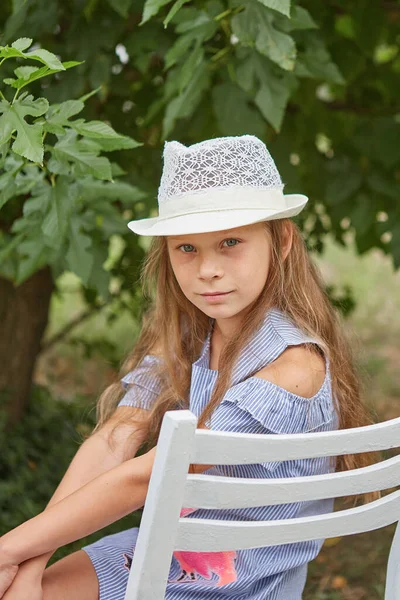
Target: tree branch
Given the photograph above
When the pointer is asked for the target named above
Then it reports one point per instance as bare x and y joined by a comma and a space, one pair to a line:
64, 331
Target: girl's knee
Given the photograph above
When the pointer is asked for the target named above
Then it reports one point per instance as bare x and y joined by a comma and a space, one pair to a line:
71, 578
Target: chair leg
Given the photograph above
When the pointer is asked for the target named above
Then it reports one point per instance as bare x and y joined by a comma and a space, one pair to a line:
392, 589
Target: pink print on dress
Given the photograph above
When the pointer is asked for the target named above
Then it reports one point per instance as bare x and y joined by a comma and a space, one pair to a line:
205, 564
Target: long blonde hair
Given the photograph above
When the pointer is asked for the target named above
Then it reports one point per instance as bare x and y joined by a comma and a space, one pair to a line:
178, 329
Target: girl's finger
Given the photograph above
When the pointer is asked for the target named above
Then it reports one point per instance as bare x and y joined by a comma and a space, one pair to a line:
7, 576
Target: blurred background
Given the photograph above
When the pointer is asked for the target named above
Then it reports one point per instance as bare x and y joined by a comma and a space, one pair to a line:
92, 89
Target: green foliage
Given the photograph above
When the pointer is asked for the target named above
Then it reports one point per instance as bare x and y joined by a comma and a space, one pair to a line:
291, 74
318, 82
204, 68
50, 161
35, 454
34, 457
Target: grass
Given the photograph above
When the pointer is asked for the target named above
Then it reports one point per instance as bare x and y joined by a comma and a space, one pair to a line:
351, 568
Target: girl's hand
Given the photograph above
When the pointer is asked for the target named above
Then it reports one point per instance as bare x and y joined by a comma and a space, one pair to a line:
8, 568
25, 587
8, 572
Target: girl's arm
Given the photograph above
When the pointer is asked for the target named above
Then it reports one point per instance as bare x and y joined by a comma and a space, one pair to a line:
93, 458
106, 499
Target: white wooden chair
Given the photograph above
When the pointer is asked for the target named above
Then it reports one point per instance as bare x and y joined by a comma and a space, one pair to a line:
162, 531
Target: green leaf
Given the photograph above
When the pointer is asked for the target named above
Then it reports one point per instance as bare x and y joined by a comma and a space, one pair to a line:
274, 87
176, 7
245, 25
58, 167
106, 137
197, 30
61, 199
123, 142
7, 248
47, 58
99, 276
273, 96
28, 142
234, 114
25, 72
36, 73
151, 8
28, 179
34, 256
79, 256
8, 179
179, 48
90, 94
282, 6
300, 19
39, 202
121, 7
22, 44
316, 62
82, 156
185, 104
277, 46
117, 170
7, 187
44, 56
254, 26
95, 190
98, 129
60, 113
195, 58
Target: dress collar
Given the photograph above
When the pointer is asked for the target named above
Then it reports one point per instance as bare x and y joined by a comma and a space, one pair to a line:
263, 348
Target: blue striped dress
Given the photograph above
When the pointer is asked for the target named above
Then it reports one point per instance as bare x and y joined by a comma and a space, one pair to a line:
251, 405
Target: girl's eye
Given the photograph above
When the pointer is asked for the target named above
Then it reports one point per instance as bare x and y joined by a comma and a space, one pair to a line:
232, 240
185, 246
228, 240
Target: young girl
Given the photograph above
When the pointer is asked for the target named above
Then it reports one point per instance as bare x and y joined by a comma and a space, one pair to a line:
241, 332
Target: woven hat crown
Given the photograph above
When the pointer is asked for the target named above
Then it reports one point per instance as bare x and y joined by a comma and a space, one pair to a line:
219, 163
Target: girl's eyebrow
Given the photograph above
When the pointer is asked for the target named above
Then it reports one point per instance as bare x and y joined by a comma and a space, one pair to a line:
228, 233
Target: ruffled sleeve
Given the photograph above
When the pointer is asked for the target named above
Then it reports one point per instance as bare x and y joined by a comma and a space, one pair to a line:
142, 385
259, 406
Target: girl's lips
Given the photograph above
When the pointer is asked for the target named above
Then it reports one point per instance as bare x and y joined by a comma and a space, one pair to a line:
215, 294
212, 297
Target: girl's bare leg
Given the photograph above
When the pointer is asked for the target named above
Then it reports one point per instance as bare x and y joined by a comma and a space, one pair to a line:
71, 578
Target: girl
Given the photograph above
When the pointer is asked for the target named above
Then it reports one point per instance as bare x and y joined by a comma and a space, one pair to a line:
240, 331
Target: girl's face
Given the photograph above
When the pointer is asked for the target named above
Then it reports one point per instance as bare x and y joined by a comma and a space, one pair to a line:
234, 261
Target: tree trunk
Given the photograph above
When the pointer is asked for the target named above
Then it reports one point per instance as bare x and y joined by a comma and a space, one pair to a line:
24, 312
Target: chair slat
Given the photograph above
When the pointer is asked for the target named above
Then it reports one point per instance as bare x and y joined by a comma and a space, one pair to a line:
227, 448
200, 535
208, 491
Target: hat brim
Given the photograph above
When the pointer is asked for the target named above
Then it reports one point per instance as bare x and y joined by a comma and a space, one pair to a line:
216, 220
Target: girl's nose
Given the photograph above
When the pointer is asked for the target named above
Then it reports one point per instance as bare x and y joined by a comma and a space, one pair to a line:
209, 268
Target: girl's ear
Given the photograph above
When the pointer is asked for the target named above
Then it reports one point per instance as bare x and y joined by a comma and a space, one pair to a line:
287, 238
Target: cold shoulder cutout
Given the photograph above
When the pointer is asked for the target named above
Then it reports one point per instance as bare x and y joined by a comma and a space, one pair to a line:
296, 375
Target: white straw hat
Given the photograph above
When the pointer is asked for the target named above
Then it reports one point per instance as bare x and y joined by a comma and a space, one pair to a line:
218, 184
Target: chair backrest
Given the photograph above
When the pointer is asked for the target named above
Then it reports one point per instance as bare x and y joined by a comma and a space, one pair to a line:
171, 487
